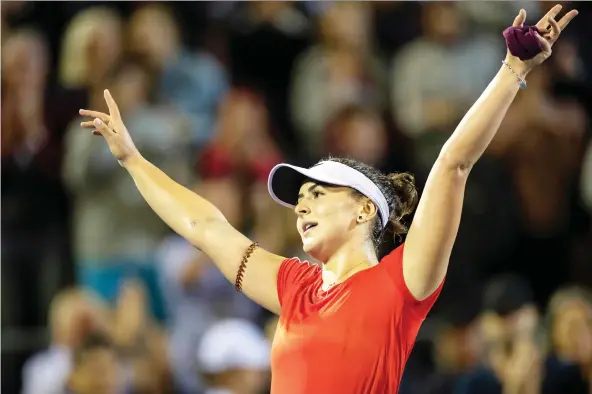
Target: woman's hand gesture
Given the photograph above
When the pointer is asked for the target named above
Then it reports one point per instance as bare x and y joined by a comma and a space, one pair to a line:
111, 127
550, 31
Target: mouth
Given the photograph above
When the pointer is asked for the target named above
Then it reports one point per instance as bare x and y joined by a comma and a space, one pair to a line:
307, 226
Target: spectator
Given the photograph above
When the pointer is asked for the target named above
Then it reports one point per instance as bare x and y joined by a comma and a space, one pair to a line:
435, 77
116, 236
445, 350
514, 359
191, 83
25, 66
539, 126
570, 326
256, 30
73, 315
358, 133
31, 191
95, 368
141, 345
91, 48
242, 138
233, 356
342, 69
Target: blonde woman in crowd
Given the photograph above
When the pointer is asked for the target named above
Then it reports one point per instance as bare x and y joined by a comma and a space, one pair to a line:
90, 48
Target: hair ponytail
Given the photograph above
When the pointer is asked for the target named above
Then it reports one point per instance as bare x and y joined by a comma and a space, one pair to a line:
406, 198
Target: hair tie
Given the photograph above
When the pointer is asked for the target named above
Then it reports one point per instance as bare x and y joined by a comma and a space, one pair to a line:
523, 42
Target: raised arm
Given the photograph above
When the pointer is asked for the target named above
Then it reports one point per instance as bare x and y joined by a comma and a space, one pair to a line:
190, 215
435, 225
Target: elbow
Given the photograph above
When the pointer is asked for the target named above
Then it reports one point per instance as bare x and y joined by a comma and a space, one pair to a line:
456, 157
455, 164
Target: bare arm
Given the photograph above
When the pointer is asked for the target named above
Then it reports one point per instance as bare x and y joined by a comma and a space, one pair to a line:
435, 226
190, 215
202, 224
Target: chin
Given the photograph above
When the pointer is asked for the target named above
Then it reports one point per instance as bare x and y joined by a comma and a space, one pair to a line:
313, 249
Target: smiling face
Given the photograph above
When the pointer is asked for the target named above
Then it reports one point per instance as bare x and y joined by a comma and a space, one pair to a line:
327, 218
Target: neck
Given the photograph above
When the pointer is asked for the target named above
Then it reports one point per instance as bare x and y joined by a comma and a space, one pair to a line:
347, 261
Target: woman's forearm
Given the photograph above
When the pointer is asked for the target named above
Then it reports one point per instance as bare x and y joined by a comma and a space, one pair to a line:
176, 205
478, 127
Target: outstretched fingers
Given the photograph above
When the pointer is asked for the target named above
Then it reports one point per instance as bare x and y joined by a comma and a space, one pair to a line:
102, 128
95, 114
89, 124
544, 22
519, 20
555, 30
563, 22
113, 109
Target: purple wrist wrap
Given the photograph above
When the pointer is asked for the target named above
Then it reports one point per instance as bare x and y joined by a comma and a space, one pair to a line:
522, 41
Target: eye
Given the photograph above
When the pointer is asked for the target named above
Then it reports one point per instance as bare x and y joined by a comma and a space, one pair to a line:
316, 193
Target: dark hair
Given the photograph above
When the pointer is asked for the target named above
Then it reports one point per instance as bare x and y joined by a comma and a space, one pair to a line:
398, 189
94, 341
506, 294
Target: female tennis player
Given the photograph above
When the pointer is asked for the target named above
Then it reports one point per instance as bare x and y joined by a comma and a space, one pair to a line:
349, 326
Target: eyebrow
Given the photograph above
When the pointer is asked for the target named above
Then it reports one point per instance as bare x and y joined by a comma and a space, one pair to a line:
310, 189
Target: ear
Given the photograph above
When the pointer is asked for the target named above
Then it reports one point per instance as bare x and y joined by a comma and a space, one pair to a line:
366, 211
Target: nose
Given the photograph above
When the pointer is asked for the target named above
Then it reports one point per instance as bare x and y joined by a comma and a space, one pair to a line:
301, 209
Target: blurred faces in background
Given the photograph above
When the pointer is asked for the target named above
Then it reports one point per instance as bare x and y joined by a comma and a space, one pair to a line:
359, 133
154, 34
191, 82
540, 125
570, 327
509, 329
73, 316
436, 76
342, 69
96, 368
346, 26
91, 48
242, 139
132, 86
442, 22
24, 73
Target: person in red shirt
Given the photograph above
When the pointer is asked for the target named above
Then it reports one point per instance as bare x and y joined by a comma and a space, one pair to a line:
349, 325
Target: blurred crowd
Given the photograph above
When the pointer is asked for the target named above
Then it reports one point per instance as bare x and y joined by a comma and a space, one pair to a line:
216, 94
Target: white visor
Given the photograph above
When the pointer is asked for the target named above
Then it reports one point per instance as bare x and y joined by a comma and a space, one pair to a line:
285, 180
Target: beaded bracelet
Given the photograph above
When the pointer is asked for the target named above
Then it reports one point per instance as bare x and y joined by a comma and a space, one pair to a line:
238, 283
521, 80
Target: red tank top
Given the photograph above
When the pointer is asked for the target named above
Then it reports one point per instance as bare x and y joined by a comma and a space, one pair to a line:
353, 339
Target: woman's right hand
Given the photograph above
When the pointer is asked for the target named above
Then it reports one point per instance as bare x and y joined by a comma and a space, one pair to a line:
111, 127
549, 33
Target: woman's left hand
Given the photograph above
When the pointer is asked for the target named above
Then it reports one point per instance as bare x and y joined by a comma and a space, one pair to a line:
550, 31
